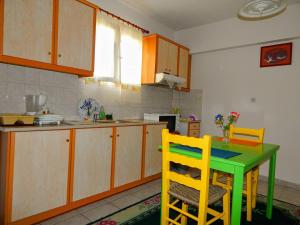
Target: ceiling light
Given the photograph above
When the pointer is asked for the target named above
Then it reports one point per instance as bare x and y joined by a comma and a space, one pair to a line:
261, 9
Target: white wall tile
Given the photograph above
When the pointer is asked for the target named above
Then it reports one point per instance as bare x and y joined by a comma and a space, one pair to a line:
65, 90
15, 74
3, 72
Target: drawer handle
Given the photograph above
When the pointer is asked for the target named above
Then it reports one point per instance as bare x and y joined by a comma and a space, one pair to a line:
68, 140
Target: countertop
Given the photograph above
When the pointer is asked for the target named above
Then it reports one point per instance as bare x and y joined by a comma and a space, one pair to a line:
79, 126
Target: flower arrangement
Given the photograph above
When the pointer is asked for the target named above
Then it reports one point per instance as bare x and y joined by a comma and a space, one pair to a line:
225, 122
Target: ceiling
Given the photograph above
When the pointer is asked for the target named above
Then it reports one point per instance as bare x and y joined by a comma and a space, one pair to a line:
181, 14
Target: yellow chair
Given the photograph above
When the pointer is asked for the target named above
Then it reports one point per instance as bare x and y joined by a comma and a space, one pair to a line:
225, 180
181, 190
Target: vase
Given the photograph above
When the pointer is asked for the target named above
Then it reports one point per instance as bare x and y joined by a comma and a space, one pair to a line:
226, 135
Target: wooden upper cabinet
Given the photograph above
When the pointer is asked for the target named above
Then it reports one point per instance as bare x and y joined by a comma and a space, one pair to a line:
166, 57
163, 55
183, 67
56, 35
75, 35
27, 29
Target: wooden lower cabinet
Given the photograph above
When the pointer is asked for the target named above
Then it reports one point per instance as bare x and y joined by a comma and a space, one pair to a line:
46, 173
92, 162
152, 154
128, 155
40, 172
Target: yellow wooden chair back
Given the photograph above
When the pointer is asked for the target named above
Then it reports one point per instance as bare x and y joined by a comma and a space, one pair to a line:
202, 165
244, 134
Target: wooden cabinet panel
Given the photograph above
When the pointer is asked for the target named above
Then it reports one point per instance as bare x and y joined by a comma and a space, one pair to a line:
173, 58
162, 56
183, 68
152, 155
194, 133
128, 155
75, 34
92, 162
40, 172
167, 57
27, 31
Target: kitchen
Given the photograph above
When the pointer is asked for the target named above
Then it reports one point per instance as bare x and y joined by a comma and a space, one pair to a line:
65, 90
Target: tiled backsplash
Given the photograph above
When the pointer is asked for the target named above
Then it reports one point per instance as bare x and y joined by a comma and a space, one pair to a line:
65, 90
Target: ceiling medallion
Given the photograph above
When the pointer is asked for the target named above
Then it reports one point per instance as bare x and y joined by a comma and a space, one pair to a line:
262, 9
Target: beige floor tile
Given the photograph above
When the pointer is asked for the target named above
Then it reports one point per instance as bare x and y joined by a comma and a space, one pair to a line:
76, 220
125, 201
99, 212
60, 218
147, 192
91, 206
288, 194
281, 192
122, 194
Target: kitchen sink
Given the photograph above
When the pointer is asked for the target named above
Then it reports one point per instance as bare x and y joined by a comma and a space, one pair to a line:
89, 122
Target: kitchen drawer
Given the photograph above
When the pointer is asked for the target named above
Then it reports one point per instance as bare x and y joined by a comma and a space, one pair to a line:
194, 126
194, 133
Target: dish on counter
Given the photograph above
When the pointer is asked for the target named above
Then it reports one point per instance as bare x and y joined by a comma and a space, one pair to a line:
88, 107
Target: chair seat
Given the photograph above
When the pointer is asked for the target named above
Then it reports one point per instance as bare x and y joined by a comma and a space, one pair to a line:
191, 195
224, 177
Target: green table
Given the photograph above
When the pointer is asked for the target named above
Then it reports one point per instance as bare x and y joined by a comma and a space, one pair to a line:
251, 156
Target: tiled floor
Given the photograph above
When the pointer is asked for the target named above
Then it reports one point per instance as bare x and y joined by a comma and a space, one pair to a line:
94, 211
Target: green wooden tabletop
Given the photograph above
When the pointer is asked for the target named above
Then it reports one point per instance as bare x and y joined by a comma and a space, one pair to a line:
250, 157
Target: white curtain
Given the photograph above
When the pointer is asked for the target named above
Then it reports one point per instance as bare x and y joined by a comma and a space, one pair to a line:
131, 55
118, 51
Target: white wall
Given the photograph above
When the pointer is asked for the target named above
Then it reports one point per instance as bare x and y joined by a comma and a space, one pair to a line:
227, 70
235, 32
134, 16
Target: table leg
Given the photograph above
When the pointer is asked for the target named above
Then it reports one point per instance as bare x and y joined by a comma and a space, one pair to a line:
238, 180
271, 184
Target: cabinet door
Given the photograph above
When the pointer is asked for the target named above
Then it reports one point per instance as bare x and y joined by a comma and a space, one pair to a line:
152, 155
40, 175
162, 56
128, 161
184, 65
27, 31
173, 58
75, 34
167, 56
92, 162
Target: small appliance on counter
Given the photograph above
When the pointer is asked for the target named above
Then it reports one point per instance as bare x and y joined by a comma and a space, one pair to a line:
35, 103
172, 119
10, 119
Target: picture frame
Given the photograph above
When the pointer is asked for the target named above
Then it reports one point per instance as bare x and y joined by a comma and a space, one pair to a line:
276, 55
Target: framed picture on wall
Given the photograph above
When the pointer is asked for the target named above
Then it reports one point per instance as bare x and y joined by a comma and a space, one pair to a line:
276, 55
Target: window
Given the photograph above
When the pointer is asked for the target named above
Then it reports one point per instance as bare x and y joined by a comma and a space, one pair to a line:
118, 52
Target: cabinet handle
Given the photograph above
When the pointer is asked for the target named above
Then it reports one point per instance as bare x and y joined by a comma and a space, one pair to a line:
118, 135
49, 53
110, 136
147, 132
68, 140
59, 55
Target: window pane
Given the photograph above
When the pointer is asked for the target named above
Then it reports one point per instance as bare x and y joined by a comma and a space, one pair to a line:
131, 60
105, 52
